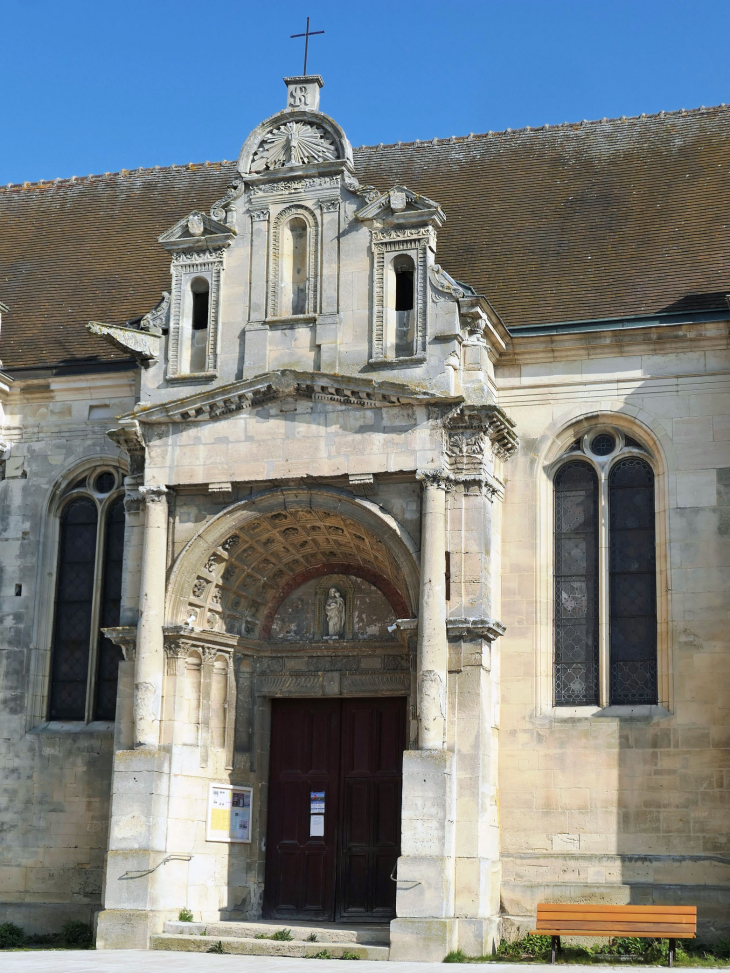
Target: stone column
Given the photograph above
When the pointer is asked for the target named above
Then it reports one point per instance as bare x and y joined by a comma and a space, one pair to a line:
432, 643
149, 664
426, 928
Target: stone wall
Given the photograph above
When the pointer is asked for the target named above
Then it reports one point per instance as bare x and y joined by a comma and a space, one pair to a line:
619, 805
54, 778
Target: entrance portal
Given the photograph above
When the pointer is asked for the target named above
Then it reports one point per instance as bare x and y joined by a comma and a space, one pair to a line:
333, 837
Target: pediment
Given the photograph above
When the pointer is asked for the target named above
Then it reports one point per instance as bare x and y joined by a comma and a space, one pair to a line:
196, 231
401, 206
248, 394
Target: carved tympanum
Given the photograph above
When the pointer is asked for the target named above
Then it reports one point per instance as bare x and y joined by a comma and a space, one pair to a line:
293, 144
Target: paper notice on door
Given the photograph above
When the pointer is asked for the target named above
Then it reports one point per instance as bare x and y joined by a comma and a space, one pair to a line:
316, 825
316, 802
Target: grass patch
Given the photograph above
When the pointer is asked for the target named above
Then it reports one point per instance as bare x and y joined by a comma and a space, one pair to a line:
280, 936
184, 915
621, 949
216, 948
322, 954
348, 954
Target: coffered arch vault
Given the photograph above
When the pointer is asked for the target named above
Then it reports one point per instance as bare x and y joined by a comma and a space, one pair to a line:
232, 576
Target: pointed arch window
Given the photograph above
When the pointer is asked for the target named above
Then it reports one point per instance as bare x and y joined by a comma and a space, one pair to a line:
84, 662
605, 604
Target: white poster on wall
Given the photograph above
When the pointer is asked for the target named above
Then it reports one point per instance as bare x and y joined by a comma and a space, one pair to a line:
229, 813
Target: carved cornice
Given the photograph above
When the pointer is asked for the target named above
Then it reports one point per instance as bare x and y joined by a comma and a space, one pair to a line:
196, 232
252, 393
402, 208
488, 419
125, 636
469, 629
144, 345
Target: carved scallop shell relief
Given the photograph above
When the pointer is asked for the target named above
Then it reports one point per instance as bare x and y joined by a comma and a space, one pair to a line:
293, 144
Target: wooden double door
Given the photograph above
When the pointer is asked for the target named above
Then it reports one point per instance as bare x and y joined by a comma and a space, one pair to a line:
333, 836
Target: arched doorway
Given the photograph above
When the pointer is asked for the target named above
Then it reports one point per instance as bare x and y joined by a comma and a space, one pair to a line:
303, 590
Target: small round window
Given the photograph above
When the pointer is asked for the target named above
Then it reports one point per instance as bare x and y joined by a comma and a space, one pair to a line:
603, 444
104, 483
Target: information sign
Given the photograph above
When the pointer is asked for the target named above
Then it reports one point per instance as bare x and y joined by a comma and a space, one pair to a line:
229, 813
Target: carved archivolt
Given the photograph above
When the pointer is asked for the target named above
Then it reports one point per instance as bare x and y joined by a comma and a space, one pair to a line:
240, 583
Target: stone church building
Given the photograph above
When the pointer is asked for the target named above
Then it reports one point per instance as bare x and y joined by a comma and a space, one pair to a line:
365, 521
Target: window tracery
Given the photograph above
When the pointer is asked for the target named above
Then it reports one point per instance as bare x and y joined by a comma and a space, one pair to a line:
84, 662
605, 605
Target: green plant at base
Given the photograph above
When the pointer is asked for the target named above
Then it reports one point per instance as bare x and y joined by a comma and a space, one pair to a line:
184, 915
216, 948
311, 938
348, 954
456, 956
529, 946
322, 954
75, 933
11, 936
282, 936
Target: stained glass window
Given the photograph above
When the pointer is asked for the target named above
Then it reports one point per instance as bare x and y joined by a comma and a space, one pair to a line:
633, 644
87, 600
109, 655
74, 603
576, 585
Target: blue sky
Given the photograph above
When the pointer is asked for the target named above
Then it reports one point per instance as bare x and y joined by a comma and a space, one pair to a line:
89, 87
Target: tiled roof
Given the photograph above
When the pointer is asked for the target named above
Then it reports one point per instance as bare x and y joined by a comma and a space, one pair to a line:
73, 251
602, 219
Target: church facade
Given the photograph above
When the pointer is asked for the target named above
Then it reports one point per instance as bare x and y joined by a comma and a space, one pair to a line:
377, 571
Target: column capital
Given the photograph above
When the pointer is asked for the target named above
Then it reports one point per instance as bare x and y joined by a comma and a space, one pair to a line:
156, 493
438, 478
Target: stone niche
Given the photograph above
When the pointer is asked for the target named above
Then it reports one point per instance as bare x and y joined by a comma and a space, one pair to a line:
334, 608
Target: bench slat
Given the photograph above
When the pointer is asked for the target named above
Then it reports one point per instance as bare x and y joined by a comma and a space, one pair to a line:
645, 921
690, 910
562, 931
616, 917
601, 928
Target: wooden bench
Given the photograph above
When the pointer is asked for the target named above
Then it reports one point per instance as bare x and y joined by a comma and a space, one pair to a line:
670, 922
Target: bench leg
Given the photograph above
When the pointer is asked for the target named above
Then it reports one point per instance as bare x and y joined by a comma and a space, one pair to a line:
554, 948
672, 951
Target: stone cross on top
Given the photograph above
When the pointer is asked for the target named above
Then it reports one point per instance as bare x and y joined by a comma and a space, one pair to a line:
303, 91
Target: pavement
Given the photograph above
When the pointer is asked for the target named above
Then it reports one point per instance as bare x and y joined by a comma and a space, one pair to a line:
159, 961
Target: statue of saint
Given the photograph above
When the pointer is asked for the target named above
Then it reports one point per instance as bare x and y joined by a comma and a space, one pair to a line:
334, 609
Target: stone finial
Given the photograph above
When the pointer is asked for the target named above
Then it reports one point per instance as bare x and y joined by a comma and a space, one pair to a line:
302, 93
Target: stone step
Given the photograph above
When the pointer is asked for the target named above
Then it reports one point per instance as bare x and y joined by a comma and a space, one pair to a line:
325, 932
266, 947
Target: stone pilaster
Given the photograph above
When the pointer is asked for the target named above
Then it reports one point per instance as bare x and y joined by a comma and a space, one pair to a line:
149, 668
432, 644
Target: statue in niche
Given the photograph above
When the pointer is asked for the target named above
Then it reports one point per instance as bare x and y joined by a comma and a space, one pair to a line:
334, 609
